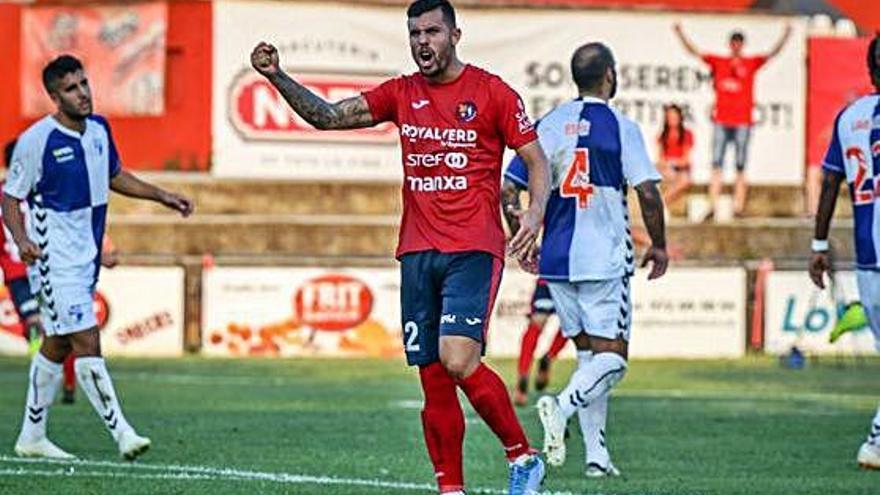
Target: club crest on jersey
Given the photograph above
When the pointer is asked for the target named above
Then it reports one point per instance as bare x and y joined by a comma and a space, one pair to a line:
99, 146
467, 111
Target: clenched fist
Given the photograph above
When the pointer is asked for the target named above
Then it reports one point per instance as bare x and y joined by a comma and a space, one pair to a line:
265, 60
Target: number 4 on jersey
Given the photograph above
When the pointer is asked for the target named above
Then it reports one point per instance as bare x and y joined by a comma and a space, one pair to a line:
577, 180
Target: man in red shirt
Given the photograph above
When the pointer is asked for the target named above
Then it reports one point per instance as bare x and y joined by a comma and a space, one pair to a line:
734, 80
455, 121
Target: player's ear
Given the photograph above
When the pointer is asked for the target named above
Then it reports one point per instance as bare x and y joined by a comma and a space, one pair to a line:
455, 34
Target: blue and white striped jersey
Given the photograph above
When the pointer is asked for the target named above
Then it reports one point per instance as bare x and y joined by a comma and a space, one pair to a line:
855, 153
65, 178
595, 153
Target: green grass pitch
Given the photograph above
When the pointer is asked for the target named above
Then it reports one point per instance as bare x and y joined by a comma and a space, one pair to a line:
352, 427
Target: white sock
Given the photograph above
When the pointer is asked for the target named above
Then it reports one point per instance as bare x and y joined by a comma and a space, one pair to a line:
592, 421
874, 434
43, 383
591, 381
91, 372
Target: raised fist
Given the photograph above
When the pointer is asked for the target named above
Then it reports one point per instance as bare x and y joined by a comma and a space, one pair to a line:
264, 59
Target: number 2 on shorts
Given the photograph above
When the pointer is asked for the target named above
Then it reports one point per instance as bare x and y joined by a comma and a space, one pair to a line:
577, 179
411, 337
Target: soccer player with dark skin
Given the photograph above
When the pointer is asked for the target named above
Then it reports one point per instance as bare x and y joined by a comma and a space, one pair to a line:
459, 118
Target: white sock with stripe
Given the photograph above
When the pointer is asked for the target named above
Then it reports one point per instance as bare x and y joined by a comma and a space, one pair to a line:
874, 434
43, 383
91, 372
591, 380
592, 421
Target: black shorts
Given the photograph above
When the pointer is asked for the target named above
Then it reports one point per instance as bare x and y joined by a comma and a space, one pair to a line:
445, 294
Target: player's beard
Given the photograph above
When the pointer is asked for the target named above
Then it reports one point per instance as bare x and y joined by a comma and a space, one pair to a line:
439, 62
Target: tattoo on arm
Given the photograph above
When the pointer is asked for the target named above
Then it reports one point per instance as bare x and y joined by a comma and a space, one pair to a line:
510, 200
827, 203
351, 113
651, 204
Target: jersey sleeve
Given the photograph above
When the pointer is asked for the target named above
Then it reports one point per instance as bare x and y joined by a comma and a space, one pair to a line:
710, 60
24, 169
834, 156
637, 165
513, 122
759, 61
382, 101
688, 138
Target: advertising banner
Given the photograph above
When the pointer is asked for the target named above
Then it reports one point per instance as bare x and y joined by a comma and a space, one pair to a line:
673, 317
122, 47
256, 134
799, 314
139, 309
285, 312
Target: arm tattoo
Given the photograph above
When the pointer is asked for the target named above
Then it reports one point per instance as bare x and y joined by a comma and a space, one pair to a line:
651, 204
510, 198
827, 202
351, 113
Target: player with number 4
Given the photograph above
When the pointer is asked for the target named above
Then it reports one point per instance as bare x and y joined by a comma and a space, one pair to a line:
587, 255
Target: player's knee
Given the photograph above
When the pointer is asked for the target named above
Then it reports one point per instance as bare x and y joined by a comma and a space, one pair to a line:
459, 367
87, 343
539, 319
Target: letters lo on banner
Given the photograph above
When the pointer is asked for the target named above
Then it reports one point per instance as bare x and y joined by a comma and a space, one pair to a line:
122, 48
139, 310
365, 45
799, 314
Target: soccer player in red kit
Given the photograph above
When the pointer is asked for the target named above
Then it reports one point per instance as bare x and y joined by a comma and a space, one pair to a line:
455, 121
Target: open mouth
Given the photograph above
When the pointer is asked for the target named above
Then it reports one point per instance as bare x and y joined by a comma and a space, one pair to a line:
426, 57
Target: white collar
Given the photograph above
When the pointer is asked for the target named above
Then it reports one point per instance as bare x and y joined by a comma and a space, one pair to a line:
592, 99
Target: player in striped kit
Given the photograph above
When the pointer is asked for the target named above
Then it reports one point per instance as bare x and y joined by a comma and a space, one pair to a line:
854, 156
587, 253
64, 167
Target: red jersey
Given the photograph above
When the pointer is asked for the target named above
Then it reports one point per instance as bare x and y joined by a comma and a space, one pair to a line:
452, 138
673, 149
10, 261
734, 80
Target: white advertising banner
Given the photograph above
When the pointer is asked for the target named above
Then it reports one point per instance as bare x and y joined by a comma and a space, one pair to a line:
140, 313
255, 134
673, 317
284, 312
799, 314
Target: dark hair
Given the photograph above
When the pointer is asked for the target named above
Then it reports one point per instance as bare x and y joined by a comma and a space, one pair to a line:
737, 36
7, 152
874, 59
58, 68
419, 7
589, 64
666, 129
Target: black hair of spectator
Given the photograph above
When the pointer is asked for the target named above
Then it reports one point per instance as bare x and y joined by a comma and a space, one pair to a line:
419, 7
874, 60
7, 153
589, 64
58, 68
738, 36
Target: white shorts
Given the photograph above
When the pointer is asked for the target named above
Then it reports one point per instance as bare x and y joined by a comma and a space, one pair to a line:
600, 308
869, 294
66, 303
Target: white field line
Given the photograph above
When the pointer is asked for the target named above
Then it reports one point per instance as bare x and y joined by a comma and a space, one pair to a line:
127, 470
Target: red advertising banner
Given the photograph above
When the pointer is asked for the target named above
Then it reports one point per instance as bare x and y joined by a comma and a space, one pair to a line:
122, 48
838, 74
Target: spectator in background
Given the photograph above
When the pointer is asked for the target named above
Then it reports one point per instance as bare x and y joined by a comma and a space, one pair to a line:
674, 145
734, 78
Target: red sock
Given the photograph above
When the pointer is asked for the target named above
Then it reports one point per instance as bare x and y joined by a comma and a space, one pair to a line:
558, 344
69, 373
527, 349
488, 395
443, 426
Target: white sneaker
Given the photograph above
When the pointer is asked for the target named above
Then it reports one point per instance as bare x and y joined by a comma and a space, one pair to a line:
554, 430
596, 471
41, 448
869, 456
131, 446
